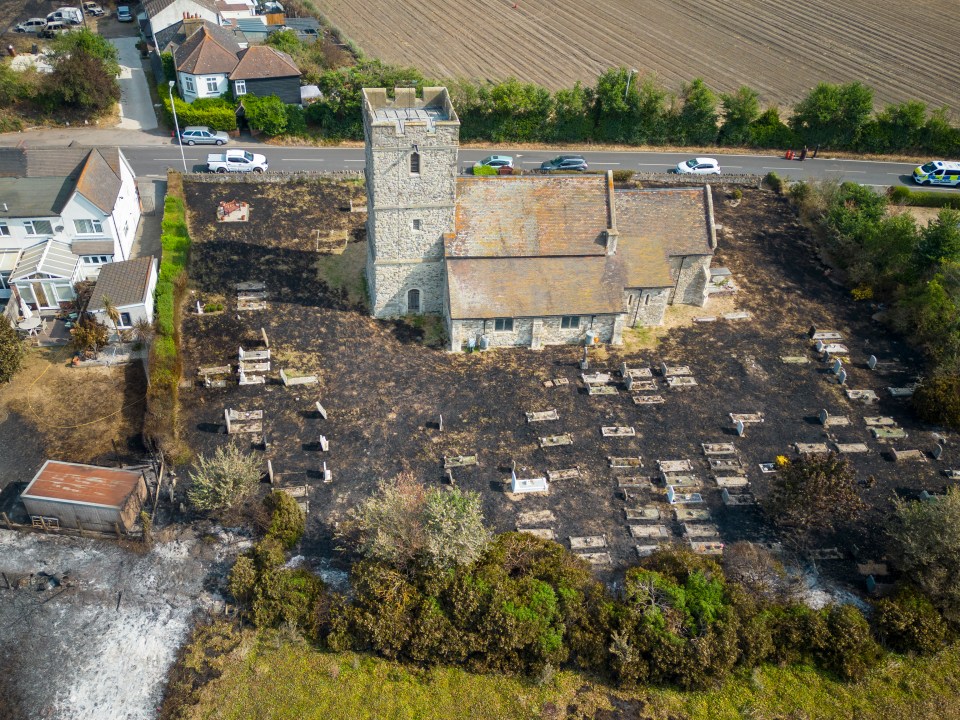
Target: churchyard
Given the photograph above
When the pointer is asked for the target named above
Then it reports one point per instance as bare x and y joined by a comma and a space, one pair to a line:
667, 442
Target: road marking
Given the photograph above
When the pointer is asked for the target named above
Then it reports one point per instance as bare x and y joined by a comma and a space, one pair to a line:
530, 162
302, 160
779, 168
650, 164
596, 163
849, 172
359, 161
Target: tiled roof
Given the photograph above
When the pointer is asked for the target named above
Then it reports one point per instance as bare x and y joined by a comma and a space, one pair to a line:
124, 283
34, 197
98, 183
644, 263
678, 217
262, 61
203, 54
533, 287
51, 162
87, 484
530, 216
171, 38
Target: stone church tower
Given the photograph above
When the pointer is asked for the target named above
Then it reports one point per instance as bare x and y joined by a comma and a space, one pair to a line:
411, 175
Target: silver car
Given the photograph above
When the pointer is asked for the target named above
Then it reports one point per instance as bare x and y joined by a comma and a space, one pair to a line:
202, 135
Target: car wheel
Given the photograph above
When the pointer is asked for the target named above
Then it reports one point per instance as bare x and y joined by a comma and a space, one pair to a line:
219, 142
191, 143
221, 170
258, 170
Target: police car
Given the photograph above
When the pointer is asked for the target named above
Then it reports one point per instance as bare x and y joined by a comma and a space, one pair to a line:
938, 172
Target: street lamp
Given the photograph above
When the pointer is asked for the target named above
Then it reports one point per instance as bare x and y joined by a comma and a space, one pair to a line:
629, 78
176, 125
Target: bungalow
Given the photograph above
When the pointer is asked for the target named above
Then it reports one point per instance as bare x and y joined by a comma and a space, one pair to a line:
64, 213
161, 14
171, 38
128, 287
263, 71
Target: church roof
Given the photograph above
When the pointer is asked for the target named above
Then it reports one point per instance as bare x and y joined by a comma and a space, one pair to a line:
679, 217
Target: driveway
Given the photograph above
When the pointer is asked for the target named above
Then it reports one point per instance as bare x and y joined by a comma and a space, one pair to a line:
136, 108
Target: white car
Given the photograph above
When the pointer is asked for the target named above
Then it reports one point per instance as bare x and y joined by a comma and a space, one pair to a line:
495, 161
33, 25
698, 166
236, 161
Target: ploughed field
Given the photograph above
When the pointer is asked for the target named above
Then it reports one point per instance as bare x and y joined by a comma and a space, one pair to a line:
781, 49
384, 392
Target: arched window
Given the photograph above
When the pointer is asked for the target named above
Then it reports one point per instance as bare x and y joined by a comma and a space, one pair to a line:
413, 301
414, 163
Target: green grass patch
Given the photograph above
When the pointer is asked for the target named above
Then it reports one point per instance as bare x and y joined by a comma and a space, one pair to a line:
346, 271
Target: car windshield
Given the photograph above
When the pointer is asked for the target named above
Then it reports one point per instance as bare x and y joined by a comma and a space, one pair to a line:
248, 156
487, 160
929, 167
691, 163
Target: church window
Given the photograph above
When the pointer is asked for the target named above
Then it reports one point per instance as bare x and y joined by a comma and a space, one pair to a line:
413, 301
569, 322
503, 325
414, 163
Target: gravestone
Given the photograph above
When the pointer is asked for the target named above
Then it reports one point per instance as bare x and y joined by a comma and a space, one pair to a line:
718, 449
768, 468
322, 411
848, 448
587, 542
700, 530
682, 514
837, 367
567, 474
327, 474
739, 427
556, 440
867, 397
649, 531
812, 448
601, 390
648, 400
842, 377
794, 359
872, 362
324, 443
617, 431
542, 416
680, 382
937, 451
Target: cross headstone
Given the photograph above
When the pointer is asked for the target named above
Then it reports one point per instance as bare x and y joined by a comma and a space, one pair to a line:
872, 362
842, 377
327, 474
824, 416
740, 428
585, 363
837, 367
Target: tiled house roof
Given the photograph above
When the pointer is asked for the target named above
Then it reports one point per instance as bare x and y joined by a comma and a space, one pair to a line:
125, 283
171, 38
203, 54
262, 61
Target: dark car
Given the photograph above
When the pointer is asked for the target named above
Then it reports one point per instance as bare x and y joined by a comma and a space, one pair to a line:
565, 162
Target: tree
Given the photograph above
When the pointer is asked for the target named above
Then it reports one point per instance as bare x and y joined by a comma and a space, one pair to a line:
11, 351
224, 480
755, 569
697, 121
90, 43
833, 115
908, 622
849, 649
937, 398
572, 119
740, 110
769, 131
810, 496
268, 114
111, 311
454, 529
84, 82
284, 41
287, 521
925, 545
88, 335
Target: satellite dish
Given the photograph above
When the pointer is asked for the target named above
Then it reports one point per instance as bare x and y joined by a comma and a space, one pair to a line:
59, 228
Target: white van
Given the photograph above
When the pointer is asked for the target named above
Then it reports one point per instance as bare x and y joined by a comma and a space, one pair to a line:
70, 15
938, 172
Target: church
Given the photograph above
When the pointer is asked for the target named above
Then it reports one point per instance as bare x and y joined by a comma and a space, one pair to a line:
523, 260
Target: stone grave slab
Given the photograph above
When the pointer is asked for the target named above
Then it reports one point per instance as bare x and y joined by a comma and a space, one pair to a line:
867, 397
601, 390
556, 382
295, 491
210, 381
718, 449
731, 481
648, 512
683, 482
635, 373
700, 530
888, 433
645, 550
675, 466
535, 517
828, 420
768, 468
826, 554
636, 483
826, 335
850, 448
304, 506
740, 315
597, 378
291, 380
251, 379
741, 499
556, 440
456, 461
542, 533
952, 474
794, 359
706, 547
901, 392
565, 474
244, 303
683, 514
253, 355
618, 431
250, 285
879, 421
811, 448
705, 319
681, 382
746, 418
542, 416
529, 485
600, 559
218, 370
587, 542
899, 455
649, 531
647, 399
674, 370
682, 498
243, 421
625, 462
724, 464
832, 348
642, 386
871, 567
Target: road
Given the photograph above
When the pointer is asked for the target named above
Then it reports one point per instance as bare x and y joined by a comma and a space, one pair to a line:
155, 160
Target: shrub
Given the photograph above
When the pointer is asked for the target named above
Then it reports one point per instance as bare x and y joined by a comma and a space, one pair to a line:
11, 351
287, 521
224, 480
268, 114
213, 307
216, 113
296, 121
88, 335
774, 182
485, 170
908, 622
83, 81
848, 650
622, 176
937, 399
923, 198
800, 192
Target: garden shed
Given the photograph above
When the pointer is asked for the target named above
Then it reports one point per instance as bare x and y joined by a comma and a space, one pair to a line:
86, 497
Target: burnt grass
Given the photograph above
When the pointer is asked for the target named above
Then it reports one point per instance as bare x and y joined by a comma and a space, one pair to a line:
384, 391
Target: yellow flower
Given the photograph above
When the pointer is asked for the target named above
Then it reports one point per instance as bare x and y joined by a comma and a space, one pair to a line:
782, 460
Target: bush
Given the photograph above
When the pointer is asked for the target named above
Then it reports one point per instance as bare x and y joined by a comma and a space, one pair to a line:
213, 307
267, 114
622, 176
287, 521
922, 198
485, 170
849, 650
908, 623
216, 113
296, 121
224, 480
800, 192
83, 81
774, 182
88, 335
11, 351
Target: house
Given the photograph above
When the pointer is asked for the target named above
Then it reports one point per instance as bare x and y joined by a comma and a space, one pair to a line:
128, 287
171, 38
519, 260
210, 62
233, 10
161, 14
64, 213
85, 497
306, 28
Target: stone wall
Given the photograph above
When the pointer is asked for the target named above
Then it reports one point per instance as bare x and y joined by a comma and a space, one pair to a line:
645, 307
692, 273
546, 331
390, 281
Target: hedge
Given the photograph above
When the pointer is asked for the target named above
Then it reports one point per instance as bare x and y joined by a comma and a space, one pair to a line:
923, 198
215, 113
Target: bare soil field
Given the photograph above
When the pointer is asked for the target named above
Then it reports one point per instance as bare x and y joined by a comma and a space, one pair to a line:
384, 391
781, 49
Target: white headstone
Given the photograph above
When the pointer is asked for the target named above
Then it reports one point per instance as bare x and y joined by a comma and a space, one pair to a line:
837, 367
937, 451
629, 382
820, 345
824, 416
872, 362
740, 428
842, 377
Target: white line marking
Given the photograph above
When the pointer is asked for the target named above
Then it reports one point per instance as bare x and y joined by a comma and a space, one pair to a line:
359, 161
596, 163
779, 168
851, 172
302, 160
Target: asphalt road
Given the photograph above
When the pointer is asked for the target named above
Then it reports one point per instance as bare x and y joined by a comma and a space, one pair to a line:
155, 160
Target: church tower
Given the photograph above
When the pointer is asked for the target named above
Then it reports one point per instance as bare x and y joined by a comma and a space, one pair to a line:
411, 174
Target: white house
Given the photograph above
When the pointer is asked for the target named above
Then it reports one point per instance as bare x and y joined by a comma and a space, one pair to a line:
128, 287
64, 213
161, 14
204, 62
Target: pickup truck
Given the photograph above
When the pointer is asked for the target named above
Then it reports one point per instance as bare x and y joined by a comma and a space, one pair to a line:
236, 161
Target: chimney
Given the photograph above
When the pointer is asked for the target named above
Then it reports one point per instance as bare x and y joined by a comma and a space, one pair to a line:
612, 233
191, 24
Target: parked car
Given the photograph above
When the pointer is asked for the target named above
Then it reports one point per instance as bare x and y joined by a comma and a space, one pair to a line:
495, 161
202, 135
70, 15
938, 172
91, 8
33, 25
52, 29
564, 162
236, 161
124, 14
698, 166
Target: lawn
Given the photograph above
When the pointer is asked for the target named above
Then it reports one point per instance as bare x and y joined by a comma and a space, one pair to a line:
271, 678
